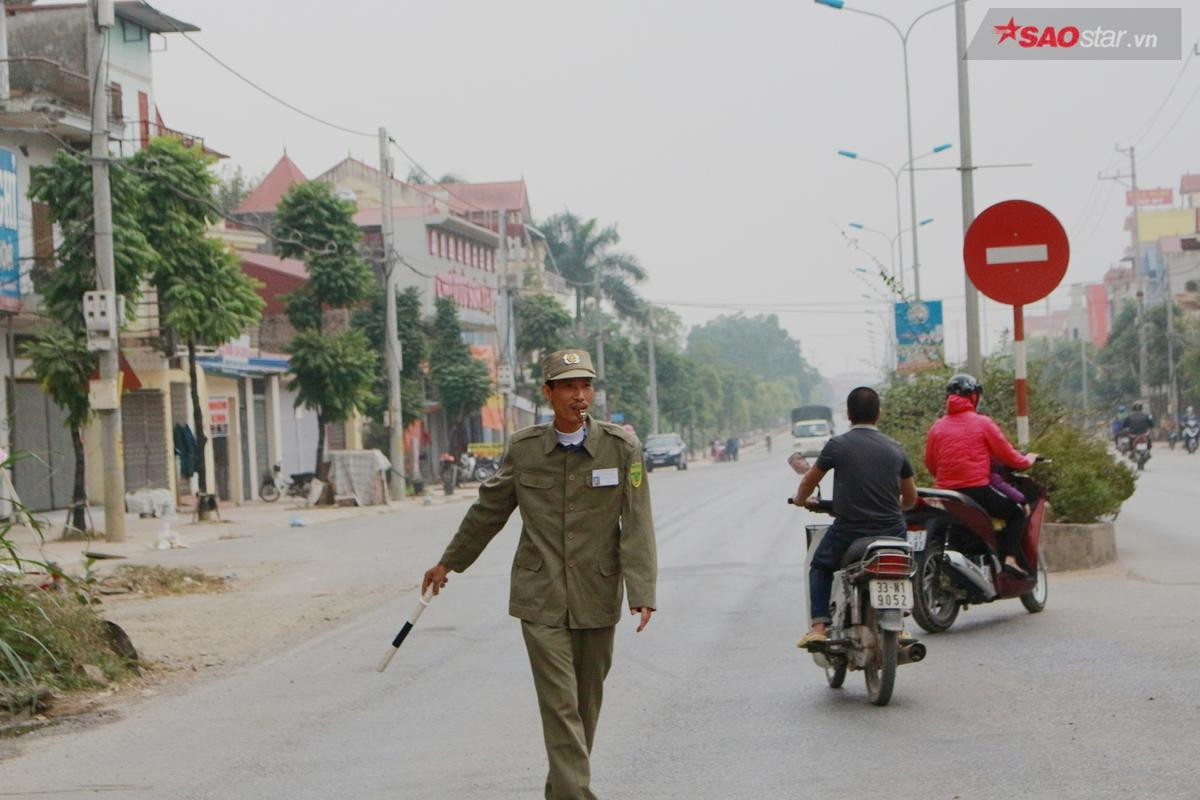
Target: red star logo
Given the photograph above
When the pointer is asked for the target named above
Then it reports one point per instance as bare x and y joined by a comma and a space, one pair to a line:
1008, 31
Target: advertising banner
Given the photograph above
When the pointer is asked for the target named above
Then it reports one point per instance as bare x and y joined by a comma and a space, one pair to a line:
1151, 197
920, 336
10, 252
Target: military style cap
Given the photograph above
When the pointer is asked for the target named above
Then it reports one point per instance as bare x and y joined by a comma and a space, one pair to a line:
563, 364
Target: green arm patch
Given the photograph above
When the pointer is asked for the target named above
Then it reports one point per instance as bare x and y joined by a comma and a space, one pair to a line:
635, 474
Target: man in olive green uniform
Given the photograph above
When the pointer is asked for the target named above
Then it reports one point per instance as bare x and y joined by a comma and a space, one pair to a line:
586, 529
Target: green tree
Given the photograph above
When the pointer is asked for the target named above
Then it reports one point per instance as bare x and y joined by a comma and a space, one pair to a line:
372, 320
543, 326
462, 381
58, 352
204, 297
1118, 360
332, 374
231, 189
582, 252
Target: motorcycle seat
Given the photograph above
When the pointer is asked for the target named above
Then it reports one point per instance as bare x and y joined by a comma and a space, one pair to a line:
957, 497
858, 548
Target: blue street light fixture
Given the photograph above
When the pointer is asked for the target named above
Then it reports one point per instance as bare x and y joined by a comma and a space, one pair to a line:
926, 221
896, 173
912, 184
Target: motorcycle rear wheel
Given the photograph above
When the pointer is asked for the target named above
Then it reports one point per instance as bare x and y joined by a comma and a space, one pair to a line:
268, 492
933, 608
881, 677
483, 473
1035, 599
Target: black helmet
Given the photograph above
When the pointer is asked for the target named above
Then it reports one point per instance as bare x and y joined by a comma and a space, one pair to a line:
1137, 406
964, 385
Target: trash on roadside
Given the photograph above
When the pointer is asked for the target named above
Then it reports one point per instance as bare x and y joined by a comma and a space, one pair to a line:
168, 538
297, 522
150, 503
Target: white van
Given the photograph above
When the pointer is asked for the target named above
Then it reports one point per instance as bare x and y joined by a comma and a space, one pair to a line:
810, 435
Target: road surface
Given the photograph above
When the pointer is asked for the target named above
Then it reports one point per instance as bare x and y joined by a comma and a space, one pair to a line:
1097, 697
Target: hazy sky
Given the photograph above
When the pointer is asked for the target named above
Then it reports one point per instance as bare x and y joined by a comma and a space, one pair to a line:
706, 130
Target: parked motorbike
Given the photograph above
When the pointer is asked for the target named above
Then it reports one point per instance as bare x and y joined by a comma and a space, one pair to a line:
269, 488
485, 468
1191, 435
1141, 450
871, 593
957, 564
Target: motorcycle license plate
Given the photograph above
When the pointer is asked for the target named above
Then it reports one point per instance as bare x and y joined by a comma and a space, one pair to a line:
891, 594
1142, 446
917, 540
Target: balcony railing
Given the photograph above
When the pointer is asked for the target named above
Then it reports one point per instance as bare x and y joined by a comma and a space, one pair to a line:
151, 130
32, 77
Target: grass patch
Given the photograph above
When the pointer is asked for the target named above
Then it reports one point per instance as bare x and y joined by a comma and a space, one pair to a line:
46, 638
157, 581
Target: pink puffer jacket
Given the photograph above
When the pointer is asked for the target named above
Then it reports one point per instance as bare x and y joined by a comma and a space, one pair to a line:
961, 445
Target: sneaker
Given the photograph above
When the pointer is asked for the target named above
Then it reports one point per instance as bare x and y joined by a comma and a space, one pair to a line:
811, 638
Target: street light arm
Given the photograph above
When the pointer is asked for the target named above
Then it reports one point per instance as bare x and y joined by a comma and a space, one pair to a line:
926, 14
895, 27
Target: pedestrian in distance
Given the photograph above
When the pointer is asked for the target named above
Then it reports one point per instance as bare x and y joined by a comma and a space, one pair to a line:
587, 539
872, 486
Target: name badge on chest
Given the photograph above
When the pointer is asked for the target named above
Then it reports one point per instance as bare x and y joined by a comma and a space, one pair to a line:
605, 477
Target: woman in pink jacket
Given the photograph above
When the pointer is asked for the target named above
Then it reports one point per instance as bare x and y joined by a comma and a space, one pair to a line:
959, 451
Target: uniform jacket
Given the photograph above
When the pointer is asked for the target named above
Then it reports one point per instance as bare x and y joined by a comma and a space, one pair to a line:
580, 538
960, 447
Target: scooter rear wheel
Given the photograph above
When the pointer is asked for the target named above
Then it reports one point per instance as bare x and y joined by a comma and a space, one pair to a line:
268, 492
881, 676
934, 609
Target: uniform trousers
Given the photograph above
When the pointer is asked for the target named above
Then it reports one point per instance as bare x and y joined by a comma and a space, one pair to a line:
569, 666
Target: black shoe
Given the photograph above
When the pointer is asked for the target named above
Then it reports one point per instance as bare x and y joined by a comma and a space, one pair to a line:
1015, 571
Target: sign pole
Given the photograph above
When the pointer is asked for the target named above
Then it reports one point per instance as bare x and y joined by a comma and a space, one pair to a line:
1021, 369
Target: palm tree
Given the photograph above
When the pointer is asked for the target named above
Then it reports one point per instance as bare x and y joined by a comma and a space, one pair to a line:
581, 252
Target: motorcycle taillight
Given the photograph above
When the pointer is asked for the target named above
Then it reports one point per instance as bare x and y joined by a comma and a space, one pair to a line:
890, 565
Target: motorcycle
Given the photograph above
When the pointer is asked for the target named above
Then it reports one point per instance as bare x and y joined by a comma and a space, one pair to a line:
1191, 435
475, 468
1124, 444
268, 489
871, 594
485, 468
1141, 450
957, 565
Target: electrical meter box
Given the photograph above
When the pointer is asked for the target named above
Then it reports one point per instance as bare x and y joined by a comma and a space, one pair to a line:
100, 318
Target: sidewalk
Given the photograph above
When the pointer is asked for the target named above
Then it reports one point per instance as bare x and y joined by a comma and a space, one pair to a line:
144, 536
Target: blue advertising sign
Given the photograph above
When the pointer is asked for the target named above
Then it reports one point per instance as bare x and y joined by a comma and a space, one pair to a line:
920, 337
10, 252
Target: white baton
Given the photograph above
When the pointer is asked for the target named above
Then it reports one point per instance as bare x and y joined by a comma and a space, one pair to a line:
408, 626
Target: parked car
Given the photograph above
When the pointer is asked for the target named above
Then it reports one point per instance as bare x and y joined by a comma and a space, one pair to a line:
665, 450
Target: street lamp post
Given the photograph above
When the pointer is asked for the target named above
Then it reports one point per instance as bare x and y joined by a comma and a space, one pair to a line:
896, 173
893, 243
840, 5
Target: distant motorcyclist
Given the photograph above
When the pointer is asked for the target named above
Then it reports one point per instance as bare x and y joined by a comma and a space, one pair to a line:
958, 452
1117, 422
1137, 422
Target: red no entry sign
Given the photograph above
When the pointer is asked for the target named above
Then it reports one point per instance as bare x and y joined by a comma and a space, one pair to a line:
1016, 252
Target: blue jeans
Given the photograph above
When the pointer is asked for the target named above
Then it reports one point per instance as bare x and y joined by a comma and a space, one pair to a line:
828, 560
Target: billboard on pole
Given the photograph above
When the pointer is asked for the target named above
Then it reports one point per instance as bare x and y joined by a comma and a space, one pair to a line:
920, 335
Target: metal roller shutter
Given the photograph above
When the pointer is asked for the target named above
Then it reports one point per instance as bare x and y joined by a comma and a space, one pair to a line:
143, 424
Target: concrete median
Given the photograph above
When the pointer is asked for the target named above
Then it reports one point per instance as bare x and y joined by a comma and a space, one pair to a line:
1070, 546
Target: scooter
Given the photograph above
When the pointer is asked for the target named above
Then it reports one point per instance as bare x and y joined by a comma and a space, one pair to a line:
1191, 435
268, 489
1141, 450
871, 594
957, 564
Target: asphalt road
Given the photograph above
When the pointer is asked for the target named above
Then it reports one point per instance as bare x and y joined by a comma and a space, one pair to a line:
1095, 698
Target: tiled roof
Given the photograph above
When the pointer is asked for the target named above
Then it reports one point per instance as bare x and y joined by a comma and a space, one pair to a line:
1189, 184
465, 197
286, 266
266, 196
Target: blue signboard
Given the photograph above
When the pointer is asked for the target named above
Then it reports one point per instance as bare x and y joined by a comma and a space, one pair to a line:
10, 252
920, 337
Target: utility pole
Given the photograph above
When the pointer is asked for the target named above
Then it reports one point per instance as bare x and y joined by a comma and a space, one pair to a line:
508, 345
393, 353
1172, 389
601, 390
110, 408
1143, 386
653, 372
967, 173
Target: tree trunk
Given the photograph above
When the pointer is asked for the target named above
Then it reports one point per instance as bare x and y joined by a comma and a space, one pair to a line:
79, 495
320, 441
197, 419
